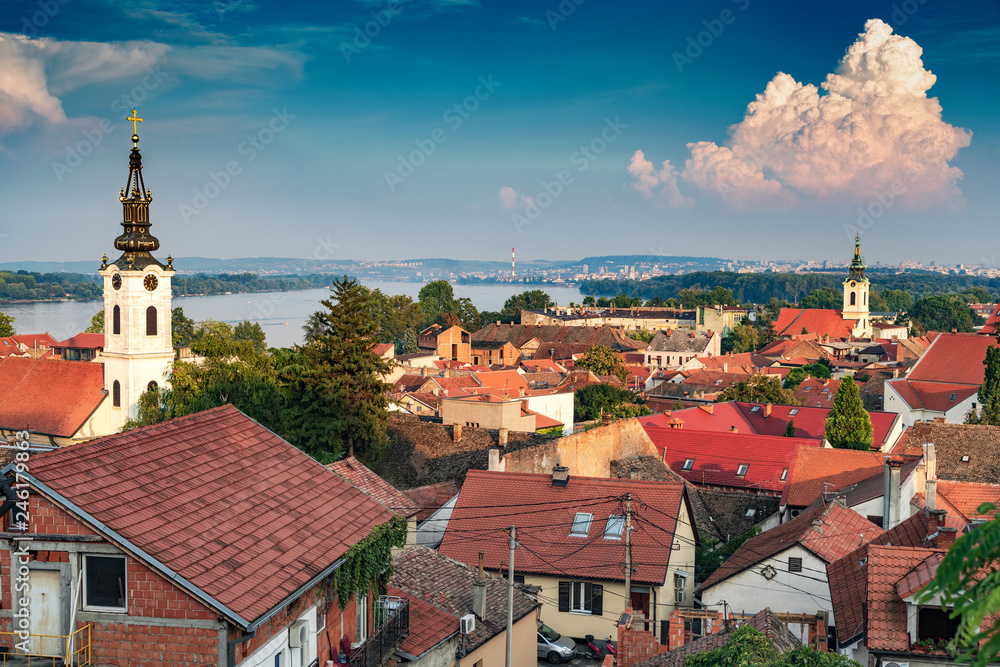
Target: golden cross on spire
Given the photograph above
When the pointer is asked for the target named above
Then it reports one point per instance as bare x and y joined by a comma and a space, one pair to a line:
135, 119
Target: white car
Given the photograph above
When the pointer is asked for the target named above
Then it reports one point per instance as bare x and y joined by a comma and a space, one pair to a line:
554, 647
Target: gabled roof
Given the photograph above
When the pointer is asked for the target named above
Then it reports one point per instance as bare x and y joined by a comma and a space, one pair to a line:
819, 321
675, 341
954, 358
934, 396
581, 337
544, 514
990, 328
503, 381
810, 421
730, 361
446, 584
874, 486
837, 536
82, 340
886, 613
818, 392
432, 626
952, 443
49, 396
837, 468
360, 476
966, 497
217, 503
431, 497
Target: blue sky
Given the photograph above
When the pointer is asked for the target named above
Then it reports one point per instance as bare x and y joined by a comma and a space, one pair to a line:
460, 129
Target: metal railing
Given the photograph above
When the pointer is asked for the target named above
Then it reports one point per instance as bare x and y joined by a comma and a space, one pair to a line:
393, 629
45, 649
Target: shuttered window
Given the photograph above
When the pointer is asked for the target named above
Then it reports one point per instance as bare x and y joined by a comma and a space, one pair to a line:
581, 597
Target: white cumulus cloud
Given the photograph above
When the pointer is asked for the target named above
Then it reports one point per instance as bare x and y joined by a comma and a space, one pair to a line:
512, 200
873, 129
649, 180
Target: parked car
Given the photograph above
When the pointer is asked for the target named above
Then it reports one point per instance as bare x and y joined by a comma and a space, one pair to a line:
554, 647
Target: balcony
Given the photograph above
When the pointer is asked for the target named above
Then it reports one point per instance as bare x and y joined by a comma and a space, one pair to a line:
392, 616
50, 650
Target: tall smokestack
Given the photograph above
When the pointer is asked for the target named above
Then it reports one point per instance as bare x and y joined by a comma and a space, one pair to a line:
512, 264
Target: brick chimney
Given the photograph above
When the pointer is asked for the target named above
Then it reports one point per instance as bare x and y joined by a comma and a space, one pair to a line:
502, 437
767, 411
930, 495
946, 536
733, 429
494, 465
930, 461
890, 492
456, 432
560, 475
479, 591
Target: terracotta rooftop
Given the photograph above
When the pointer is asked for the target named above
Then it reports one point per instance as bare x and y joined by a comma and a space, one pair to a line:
543, 551
446, 584
967, 453
837, 537
837, 468
432, 626
82, 340
966, 497
431, 498
954, 358
818, 321
886, 611
217, 499
49, 396
360, 476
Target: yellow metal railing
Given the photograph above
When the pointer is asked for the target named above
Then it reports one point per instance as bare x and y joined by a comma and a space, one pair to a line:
44, 649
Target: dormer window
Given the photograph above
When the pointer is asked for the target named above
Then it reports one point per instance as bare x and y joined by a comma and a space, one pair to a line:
784, 474
581, 524
793, 412
951, 399
742, 470
755, 408
965, 458
688, 464
614, 528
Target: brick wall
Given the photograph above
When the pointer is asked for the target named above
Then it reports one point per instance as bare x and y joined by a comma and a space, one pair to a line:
126, 644
634, 646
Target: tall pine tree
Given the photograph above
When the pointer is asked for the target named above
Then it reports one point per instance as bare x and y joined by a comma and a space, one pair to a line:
849, 426
338, 396
989, 393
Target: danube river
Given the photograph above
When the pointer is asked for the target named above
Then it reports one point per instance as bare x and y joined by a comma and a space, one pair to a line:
280, 314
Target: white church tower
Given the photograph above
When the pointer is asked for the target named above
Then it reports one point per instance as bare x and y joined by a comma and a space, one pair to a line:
138, 351
856, 295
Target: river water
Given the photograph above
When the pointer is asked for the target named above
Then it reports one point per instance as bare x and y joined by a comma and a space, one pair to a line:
281, 314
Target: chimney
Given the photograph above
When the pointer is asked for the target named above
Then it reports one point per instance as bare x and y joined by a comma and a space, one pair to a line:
817, 525
733, 429
930, 495
767, 411
560, 475
930, 461
502, 437
725, 366
890, 493
946, 536
498, 322
520, 392
479, 592
423, 371
456, 432
447, 373
436, 391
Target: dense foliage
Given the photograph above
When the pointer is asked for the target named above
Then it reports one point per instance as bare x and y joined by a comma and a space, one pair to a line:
741, 338
601, 360
759, 389
7, 325
30, 286
989, 392
367, 564
534, 299
595, 400
439, 305
709, 556
748, 647
795, 376
849, 426
943, 313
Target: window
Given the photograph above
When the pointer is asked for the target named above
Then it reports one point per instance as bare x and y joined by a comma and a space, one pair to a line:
793, 412
518, 578
116, 319
361, 609
751, 513
688, 464
755, 408
680, 587
854, 299
116, 394
784, 474
965, 459
614, 528
951, 399
876, 519
794, 564
934, 623
152, 386
151, 321
104, 583
742, 470
581, 597
581, 524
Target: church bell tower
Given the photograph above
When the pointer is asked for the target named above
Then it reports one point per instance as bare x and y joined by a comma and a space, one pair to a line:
856, 295
138, 351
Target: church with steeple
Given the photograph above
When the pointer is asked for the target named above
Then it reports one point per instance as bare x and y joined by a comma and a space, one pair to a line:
856, 295
138, 351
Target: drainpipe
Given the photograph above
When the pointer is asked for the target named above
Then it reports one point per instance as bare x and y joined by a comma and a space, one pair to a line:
232, 647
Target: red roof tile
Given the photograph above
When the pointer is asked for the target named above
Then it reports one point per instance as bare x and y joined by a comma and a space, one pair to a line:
887, 617
83, 340
431, 498
936, 396
966, 497
49, 396
503, 381
219, 500
491, 501
838, 536
953, 358
429, 625
836, 468
360, 476
819, 321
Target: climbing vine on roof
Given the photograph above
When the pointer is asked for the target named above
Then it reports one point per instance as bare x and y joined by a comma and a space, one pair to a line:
368, 564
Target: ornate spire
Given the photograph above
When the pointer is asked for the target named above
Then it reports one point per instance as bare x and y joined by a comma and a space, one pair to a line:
857, 267
136, 242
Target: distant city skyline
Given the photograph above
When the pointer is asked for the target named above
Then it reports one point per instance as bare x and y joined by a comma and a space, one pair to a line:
456, 128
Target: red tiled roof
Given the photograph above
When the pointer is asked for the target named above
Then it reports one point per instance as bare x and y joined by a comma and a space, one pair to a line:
34, 340
431, 625
887, 618
431, 498
819, 321
934, 396
990, 328
811, 391
82, 340
540, 366
544, 532
217, 499
810, 421
954, 358
49, 396
410, 383
382, 348
360, 476
717, 456
838, 536
836, 467
966, 497
744, 359
502, 380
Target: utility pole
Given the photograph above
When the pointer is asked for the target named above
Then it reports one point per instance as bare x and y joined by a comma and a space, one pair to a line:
510, 598
628, 548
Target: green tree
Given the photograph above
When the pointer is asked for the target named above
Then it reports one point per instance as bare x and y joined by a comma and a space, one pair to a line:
849, 426
252, 333
790, 428
655, 302
943, 313
601, 360
96, 323
768, 335
407, 343
896, 300
824, 297
759, 389
709, 556
589, 301
338, 398
748, 647
741, 338
644, 335
977, 295
436, 298
797, 375
7, 325
595, 400
989, 392
181, 327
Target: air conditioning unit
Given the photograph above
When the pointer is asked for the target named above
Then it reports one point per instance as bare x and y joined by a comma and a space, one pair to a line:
895, 664
467, 623
298, 634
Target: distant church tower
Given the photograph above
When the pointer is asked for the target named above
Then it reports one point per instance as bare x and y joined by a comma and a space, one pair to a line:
856, 295
138, 352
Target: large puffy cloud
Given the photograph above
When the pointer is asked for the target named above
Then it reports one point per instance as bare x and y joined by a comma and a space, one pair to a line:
875, 129
650, 180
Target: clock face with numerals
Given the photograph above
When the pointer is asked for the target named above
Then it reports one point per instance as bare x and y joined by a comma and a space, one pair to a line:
150, 282
116, 281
